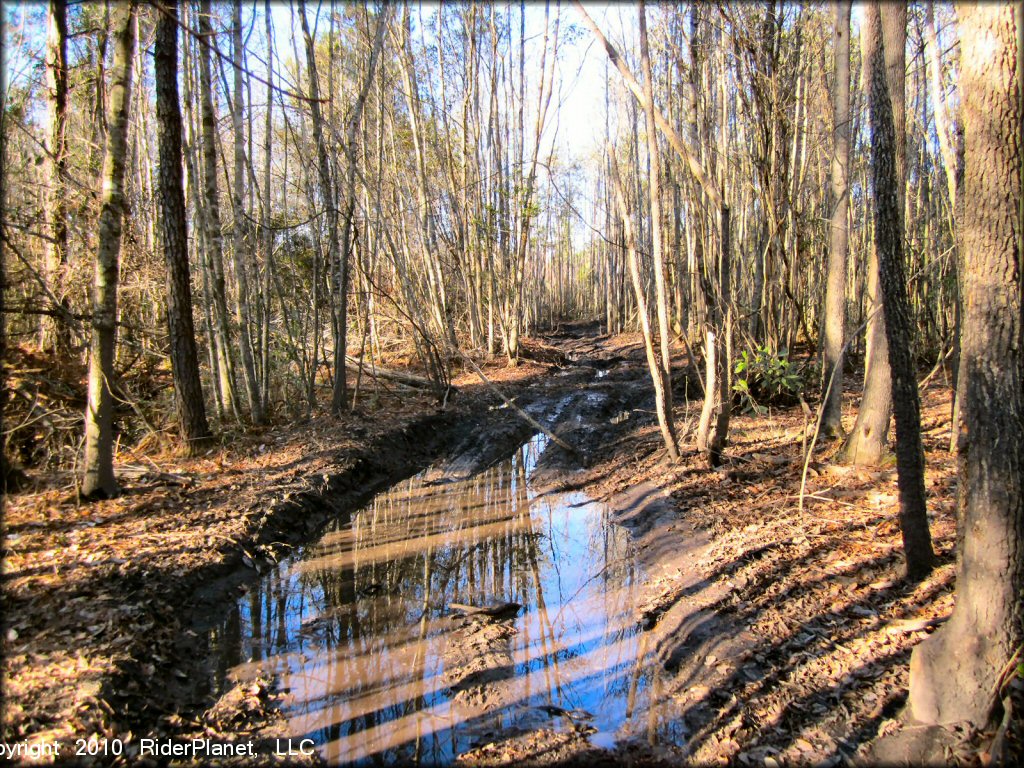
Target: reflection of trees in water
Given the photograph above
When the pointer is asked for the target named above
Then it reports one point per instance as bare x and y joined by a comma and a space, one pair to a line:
357, 629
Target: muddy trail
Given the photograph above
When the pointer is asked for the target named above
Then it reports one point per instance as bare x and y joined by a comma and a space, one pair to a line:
108, 606
449, 586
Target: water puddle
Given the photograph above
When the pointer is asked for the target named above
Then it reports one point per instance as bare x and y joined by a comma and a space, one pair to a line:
358, 628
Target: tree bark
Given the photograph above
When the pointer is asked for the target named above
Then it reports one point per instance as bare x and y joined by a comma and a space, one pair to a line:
240, 225
866, 443
835, 292
654, 362
657, 242
211, 207
56, 333
188, 390
339, 401
892, 276
723, 341
98, 464
957, 673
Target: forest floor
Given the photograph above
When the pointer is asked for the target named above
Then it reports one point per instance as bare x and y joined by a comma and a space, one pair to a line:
786, 633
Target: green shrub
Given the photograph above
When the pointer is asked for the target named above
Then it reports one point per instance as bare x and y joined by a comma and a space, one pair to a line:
764, 378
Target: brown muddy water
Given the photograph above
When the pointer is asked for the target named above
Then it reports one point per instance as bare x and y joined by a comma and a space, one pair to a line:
358, 629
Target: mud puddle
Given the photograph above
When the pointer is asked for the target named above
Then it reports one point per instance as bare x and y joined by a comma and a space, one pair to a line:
361, 630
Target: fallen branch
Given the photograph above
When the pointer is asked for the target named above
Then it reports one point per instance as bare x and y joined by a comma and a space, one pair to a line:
525, 416
914, 625
136, 472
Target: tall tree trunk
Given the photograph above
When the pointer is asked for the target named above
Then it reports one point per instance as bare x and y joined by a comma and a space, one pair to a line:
654, 362
240, 226
723, 343
657, 243
188, 390
917, 542
716, 198
211, 207
339, 400
949, 163
98, 464
340, 395
268, 232
867, 441
835, 292
960, 672
56, 333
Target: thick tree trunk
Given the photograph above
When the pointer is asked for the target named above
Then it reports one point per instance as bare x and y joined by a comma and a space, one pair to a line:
188, 390
56, 333
835, 292
889, 246
958, 673
98, 464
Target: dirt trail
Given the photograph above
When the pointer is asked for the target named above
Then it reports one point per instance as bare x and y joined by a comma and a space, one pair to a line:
784, 637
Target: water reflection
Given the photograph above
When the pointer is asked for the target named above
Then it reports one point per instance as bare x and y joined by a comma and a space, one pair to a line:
358, 630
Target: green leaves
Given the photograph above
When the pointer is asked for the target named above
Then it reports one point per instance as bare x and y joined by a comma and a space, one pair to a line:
766, 378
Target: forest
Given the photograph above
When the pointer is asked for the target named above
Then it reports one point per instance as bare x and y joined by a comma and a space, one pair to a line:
512, 383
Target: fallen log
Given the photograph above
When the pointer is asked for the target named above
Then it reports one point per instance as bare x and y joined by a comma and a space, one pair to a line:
408, 379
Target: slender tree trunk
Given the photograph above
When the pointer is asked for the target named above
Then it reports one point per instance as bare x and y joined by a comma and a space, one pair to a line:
268, 232
211, 207
56, 333
835, 292
723, 341
654, 363
240, 225
949, 163
867, 441
98, 464
962, 671
339, 402
917, 542
340, 395
188, 391
657, 243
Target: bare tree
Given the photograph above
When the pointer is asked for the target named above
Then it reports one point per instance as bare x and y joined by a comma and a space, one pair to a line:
98, 465
56, 331
188, 390
717, 357
211, 216
654, 362
657, 245
835, 294
917, 542
329, 199
867, 440
240, 225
